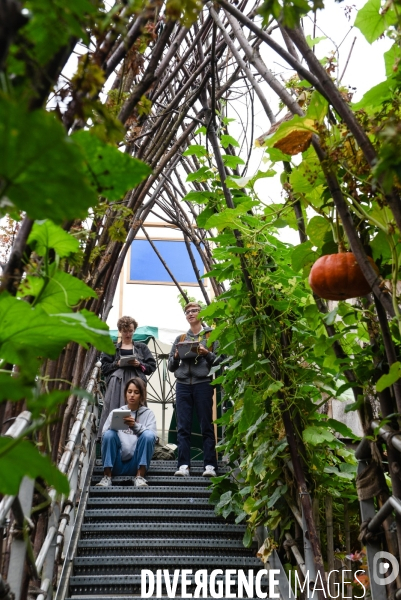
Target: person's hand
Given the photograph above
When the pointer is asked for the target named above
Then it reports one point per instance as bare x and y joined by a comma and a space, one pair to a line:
135, 362
202, 350
176, 355
130, 421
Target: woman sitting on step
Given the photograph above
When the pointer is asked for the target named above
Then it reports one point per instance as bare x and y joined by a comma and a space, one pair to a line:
129, 451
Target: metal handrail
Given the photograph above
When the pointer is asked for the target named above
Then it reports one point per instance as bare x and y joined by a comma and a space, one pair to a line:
21, 423
72, 463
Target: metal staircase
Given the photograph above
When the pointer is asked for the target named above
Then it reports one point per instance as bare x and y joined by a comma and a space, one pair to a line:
168, 525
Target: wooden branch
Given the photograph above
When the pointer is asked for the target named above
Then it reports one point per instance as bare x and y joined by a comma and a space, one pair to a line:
302, 71
12, 271
242, 64
149, 77
133, 34
196, 270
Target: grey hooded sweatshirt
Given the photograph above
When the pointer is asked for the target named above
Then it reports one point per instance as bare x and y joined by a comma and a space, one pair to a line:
145, 419
194, 370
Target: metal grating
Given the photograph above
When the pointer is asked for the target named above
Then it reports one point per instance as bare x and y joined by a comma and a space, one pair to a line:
168, 525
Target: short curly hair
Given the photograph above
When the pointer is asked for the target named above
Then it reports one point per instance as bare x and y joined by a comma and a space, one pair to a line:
126, 322
192, 305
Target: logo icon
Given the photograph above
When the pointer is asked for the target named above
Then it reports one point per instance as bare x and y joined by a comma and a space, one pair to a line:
382, 573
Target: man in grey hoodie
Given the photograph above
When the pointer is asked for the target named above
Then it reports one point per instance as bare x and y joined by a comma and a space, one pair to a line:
194, 390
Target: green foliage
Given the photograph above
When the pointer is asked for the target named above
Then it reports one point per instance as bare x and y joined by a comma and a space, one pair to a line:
393, 375
186, 11
30, 331
261, 377
45, 235
372, 21
20, 458
43, 172
182, 302
110, 171
289, 12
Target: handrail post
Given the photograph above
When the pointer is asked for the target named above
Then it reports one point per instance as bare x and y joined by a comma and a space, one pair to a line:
21, 507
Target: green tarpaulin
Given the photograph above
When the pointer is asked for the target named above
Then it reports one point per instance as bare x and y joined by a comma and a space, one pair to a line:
142, 334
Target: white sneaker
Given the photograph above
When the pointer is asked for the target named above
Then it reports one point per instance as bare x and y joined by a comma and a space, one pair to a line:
183, 471
140, 481
105, 481
209, 471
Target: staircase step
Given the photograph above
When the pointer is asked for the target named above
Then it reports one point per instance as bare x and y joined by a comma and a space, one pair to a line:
170, 524
144, 501
159, 479
148, 491
124, 585
132, 565
167, 529
168, 469
160, 546
146, 515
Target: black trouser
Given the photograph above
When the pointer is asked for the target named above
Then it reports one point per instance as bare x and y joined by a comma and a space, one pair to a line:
200, 396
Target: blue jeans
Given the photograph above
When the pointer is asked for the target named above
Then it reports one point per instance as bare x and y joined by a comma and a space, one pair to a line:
200, 397
111, 453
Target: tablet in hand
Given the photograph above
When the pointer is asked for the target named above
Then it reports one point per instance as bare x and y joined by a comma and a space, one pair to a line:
117, 420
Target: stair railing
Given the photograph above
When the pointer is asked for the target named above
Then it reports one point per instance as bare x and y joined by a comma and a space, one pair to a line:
62, 511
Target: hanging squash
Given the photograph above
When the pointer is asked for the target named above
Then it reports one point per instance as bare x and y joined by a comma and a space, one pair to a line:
338, 277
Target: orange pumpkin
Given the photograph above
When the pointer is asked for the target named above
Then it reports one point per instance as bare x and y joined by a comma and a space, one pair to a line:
338, 277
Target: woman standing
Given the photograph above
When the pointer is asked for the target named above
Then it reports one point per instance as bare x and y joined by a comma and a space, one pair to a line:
142, 364
129, 451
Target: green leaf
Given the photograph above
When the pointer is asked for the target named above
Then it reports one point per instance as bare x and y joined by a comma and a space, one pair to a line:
228, 216
312, 42
227, 140
23, 459
331, 316
371, 21
317, 435
278, 492
373, 99
47, 404
14, 387
30, 331
41, 173
341, 428
392, 59
59, 294
381, 248
196, 149
111, 172
247, 539
249, 505
203, 217
232, 161
273, 388
392, 376
276, 155
317, 229
199, 197
52, 23
303, 256
46, 235
202, 174
318, 107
